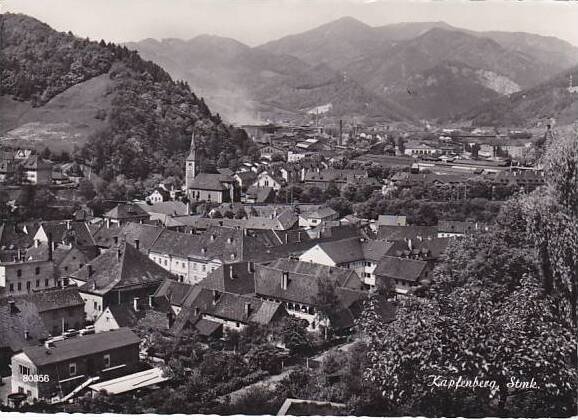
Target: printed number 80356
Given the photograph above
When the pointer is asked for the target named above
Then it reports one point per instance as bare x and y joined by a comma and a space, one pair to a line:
36, 378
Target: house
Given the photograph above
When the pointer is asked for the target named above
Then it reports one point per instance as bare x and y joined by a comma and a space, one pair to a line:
163, 210
60, 309
396, 233
316, 217
66, 233
171, 251
358, 254
117, 276
214, 188
171, 295
260, 195
201, 186
69, 363
323, 178
36, 170
158, 196
313, 145
391, 220
245, 179
20, 277
210, 311
297, 285
413, 148
452, 228
402, 274
118, 316
268, 151
20, 325
266, 179
125, 213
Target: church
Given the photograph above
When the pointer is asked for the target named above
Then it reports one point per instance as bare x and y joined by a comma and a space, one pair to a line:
202, 186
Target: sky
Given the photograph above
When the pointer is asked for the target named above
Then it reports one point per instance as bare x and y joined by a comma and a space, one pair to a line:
257, 21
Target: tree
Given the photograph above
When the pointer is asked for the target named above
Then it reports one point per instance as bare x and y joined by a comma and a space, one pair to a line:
86, 190
294, 335
326, 302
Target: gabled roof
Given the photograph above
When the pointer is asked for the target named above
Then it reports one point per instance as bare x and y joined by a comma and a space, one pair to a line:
236, 278
76, 347
119, 267
401, 268
321, 213
174, 292
355, 249
126, 211
211, 182
54, 299
145, 234
104, 236
125, 315
226, 306
392, 233
391, 220
176, 244
169, 208
303, 285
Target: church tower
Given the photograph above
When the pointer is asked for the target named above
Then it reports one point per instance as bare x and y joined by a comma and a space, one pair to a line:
191, 165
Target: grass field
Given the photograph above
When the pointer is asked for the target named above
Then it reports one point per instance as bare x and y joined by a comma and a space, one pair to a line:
66, 120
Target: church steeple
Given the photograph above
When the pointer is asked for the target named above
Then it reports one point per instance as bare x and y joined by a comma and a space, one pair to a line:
191, 167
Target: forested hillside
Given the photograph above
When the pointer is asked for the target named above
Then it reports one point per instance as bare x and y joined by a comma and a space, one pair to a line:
151, 117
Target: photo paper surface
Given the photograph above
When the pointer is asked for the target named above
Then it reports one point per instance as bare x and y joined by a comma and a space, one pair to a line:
288, 207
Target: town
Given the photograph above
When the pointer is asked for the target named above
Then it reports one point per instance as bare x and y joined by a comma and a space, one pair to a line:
368, 217
283, 244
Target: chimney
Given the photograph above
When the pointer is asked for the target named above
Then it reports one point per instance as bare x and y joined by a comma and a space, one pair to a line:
231, 272
115, 239
68, 225
197, 311
409, 244
135, 304
251, 267
89, 268
26, 335
151, 302
108, 223
13, 308
299, 236
118, 254
19, 254
137, 244
285, 281
247, 309
216, 296
50, 249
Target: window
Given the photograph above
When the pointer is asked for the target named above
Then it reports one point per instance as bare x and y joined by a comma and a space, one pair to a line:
46, 282
28, 285
19, 273
106, 361
37, 283
19, 286
72, 369
11, 287
37, 270
95, 306
24, 370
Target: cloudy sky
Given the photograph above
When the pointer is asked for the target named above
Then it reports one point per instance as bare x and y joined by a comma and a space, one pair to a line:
257, 21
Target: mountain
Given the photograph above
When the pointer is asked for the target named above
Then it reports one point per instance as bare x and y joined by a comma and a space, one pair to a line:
551, 99
246, 83
428, 66
127, 115
336, 43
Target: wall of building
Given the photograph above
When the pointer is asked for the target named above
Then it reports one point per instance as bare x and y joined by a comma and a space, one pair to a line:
20, 278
